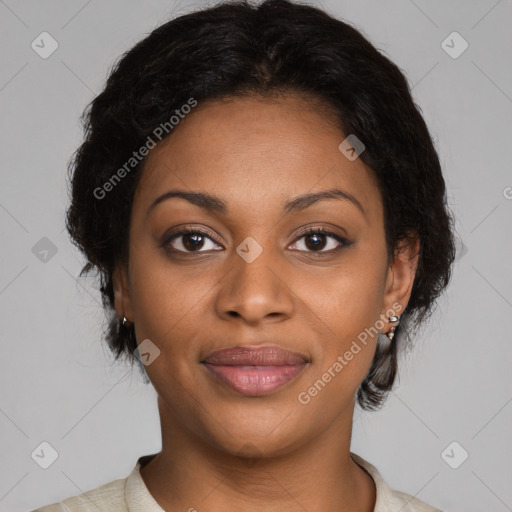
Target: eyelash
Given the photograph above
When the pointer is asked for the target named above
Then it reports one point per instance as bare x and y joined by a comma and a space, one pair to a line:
310, 231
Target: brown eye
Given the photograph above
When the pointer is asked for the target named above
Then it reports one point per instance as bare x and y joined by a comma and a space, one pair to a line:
190, 240
317, 240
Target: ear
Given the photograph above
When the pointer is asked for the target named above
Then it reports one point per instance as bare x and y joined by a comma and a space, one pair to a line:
122, 299
401, 274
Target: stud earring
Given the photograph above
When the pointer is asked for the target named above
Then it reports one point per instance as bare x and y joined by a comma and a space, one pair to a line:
394, 321
125, 322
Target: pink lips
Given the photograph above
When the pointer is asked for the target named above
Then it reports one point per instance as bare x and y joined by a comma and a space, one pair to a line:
255, 371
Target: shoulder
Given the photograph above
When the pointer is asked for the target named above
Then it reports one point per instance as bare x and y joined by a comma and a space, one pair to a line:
408, 503
387, 499
120, 495
109, 496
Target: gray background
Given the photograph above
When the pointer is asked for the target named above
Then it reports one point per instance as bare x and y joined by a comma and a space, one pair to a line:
58, 382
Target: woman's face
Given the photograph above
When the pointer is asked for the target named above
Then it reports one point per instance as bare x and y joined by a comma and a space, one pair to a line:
249, 276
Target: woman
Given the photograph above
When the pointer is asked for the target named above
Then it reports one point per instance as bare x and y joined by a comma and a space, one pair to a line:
268, 214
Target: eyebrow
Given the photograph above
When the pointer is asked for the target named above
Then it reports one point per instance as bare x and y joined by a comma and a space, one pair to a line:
216, 205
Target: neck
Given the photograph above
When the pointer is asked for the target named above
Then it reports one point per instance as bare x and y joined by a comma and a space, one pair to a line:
191, 474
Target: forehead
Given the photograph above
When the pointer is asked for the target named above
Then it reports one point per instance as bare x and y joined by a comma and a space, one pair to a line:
256, 151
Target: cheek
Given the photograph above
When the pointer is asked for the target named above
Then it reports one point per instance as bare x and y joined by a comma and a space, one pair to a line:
346, 309
165, 301
348, 298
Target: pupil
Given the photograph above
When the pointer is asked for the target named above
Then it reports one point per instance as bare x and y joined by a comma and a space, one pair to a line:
316, 245
195, 243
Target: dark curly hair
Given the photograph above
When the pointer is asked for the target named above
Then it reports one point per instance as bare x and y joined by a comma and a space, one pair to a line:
235, 49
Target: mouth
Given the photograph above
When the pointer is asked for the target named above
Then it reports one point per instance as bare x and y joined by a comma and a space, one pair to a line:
255, 371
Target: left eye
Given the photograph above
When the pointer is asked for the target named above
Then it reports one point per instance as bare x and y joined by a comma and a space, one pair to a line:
315, 240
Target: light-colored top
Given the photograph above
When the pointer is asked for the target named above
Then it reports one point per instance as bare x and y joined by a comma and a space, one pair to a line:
130, 494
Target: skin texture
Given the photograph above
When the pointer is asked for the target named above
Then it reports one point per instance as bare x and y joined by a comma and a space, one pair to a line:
222, 450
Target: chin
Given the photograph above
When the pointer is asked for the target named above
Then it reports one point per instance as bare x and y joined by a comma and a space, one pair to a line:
257, 433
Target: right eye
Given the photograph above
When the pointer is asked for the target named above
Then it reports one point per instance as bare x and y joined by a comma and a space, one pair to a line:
189, 240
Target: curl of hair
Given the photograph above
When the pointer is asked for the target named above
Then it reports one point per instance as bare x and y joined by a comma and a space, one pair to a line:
236, 48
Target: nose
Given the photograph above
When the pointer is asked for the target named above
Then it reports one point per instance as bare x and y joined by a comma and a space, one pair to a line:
255, 291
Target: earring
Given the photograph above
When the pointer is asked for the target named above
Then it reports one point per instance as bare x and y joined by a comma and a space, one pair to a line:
385, 340
125, 322
394, 321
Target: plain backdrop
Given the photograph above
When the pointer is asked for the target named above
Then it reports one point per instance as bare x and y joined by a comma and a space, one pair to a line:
58, 383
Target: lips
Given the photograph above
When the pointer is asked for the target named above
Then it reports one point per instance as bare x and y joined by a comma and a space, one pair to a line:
255, 371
